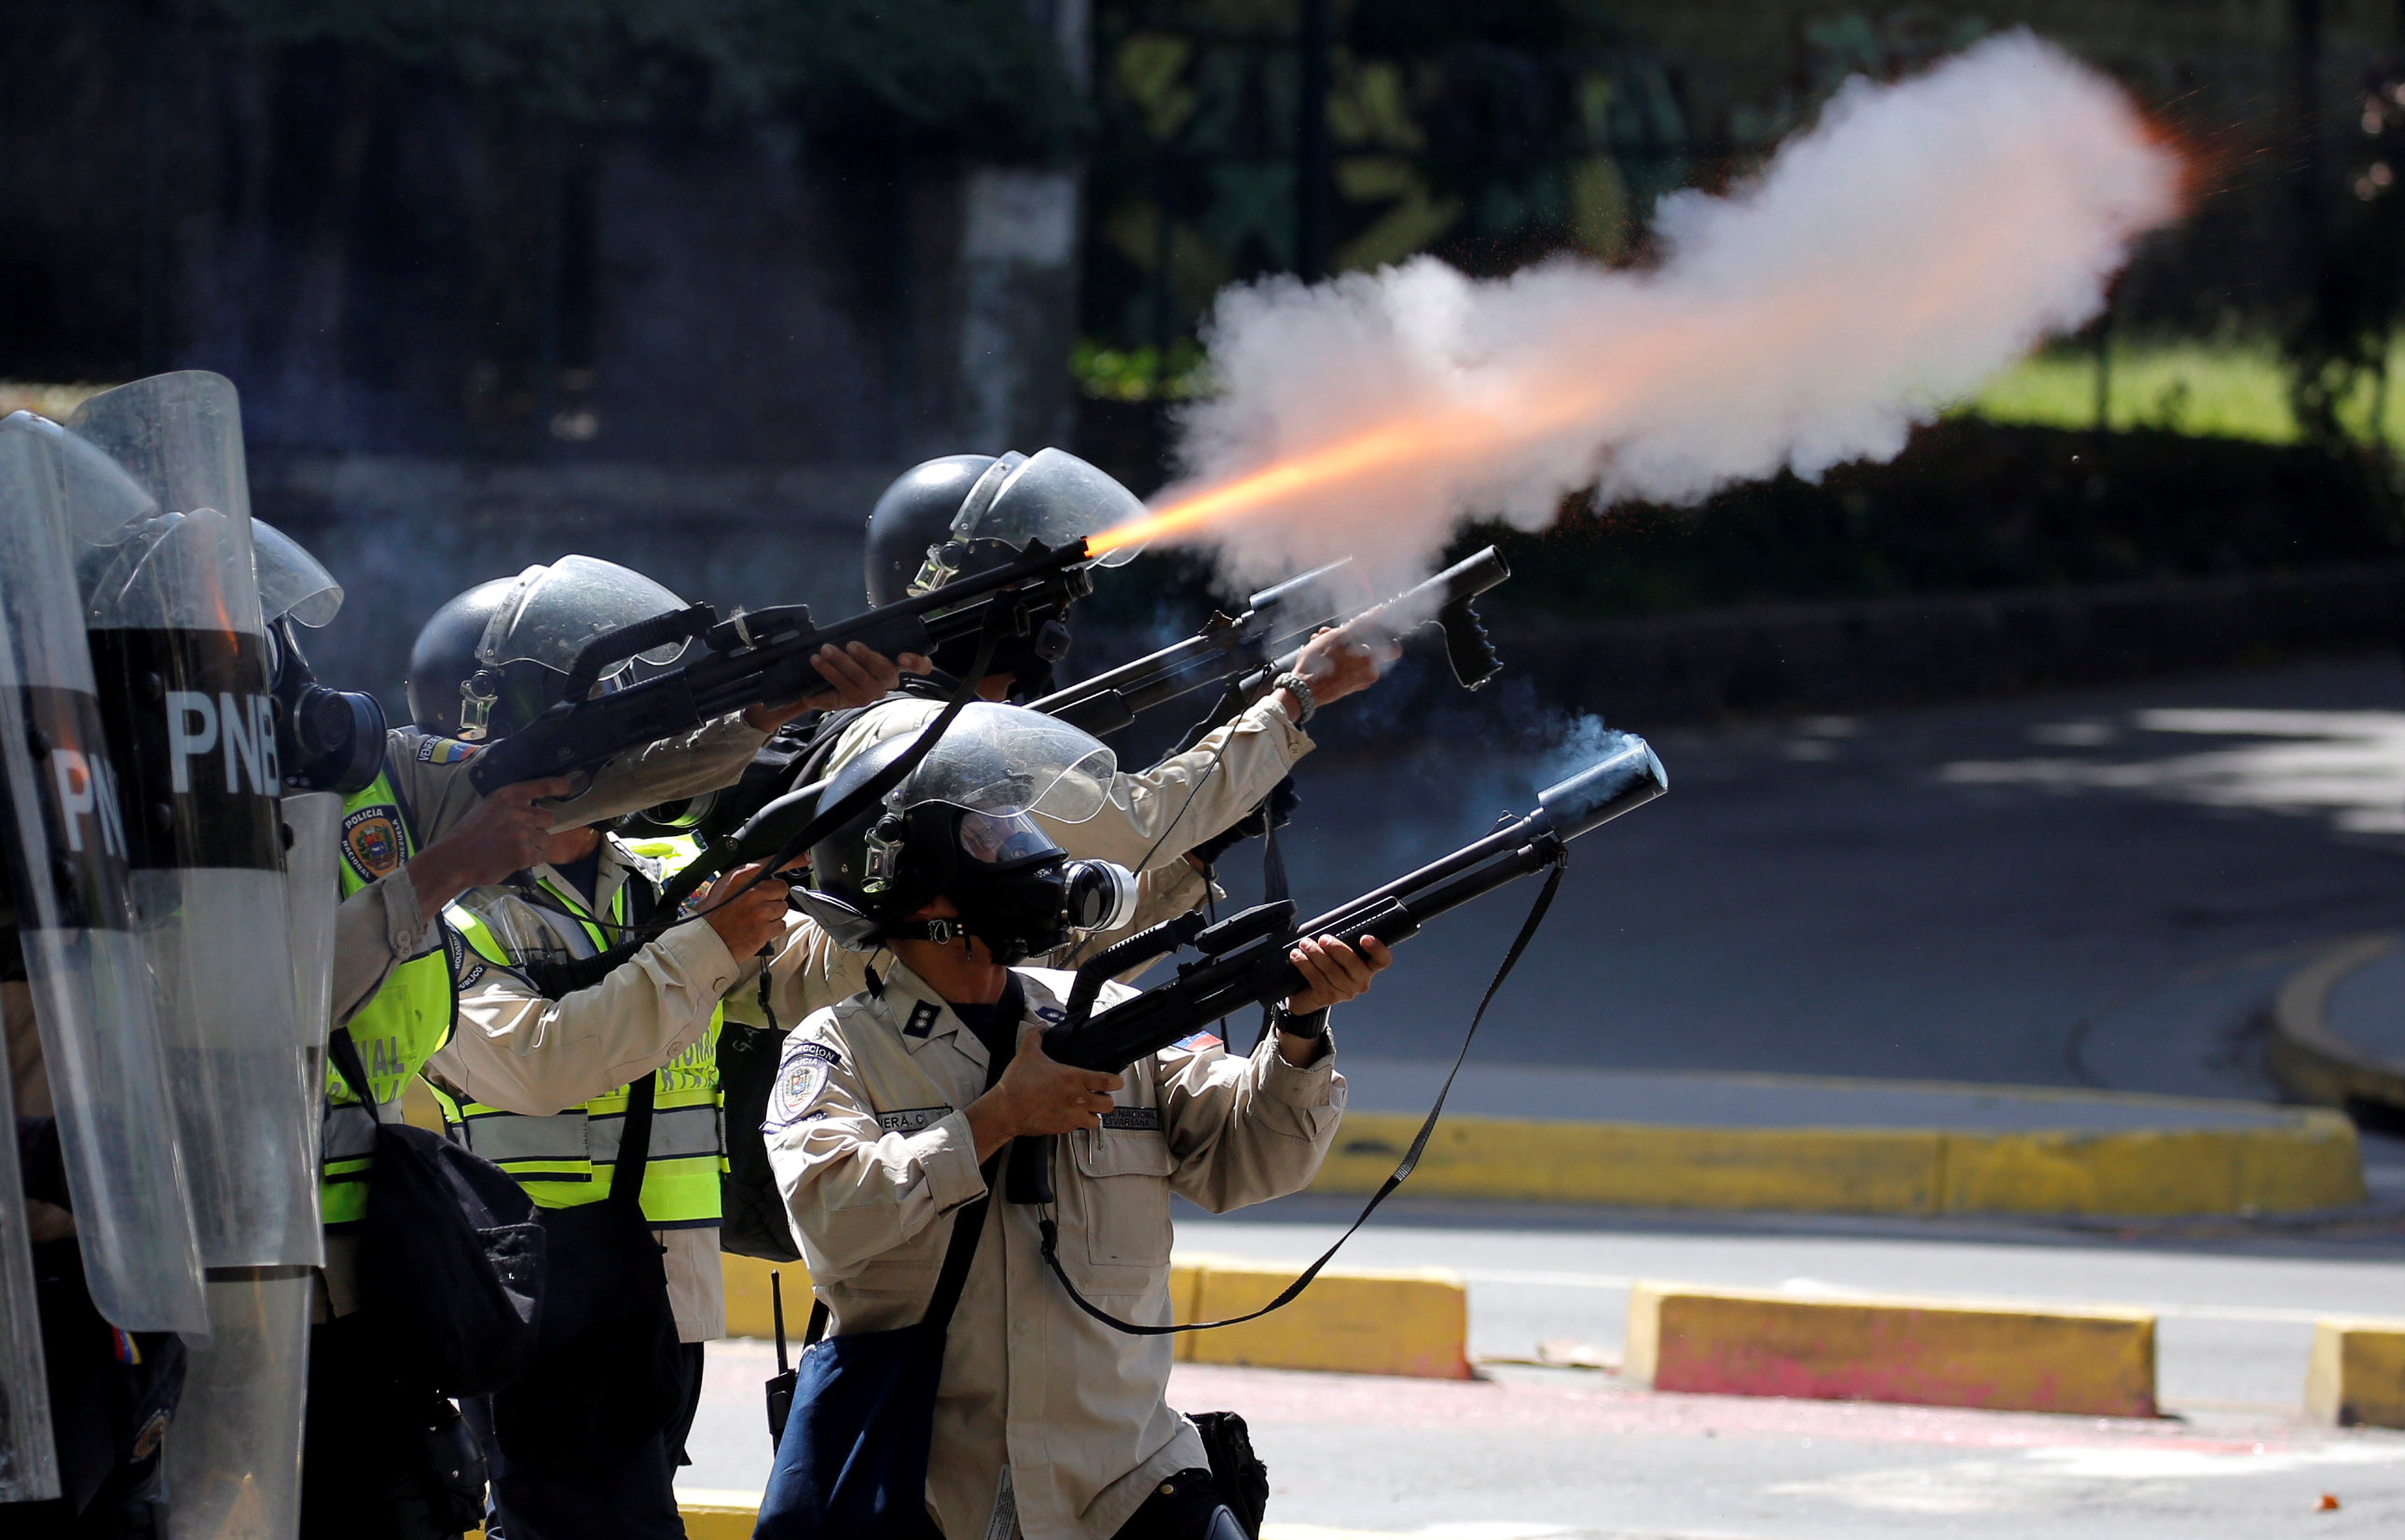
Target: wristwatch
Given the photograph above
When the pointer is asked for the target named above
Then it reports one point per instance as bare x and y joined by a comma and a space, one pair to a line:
1312, 1026
1302, 688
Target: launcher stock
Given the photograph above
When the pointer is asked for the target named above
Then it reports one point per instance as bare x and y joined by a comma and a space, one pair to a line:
762, 659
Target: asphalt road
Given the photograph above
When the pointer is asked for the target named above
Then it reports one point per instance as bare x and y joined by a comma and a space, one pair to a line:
2099, 889
2082, 889
1530, 1451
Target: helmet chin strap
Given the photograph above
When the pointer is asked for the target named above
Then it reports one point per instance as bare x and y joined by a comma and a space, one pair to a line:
946, 930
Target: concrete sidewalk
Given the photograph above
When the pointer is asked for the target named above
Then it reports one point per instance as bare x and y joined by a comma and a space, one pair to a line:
1564, 1094
1801, 1144
1535, 1452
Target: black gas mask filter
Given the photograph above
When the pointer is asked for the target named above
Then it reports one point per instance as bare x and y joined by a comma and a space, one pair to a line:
325, 739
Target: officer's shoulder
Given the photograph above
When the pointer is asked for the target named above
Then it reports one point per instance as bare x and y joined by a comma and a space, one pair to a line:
895, 712
1195, 1045
416, 745
827, 1023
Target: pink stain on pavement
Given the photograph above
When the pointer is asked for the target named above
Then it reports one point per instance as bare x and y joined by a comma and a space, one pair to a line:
1267, 1397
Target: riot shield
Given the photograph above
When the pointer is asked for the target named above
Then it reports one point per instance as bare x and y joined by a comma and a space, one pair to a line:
313, 876
29, 1465
172, 610
91, 987
233, 1455
234, 1459
171, 606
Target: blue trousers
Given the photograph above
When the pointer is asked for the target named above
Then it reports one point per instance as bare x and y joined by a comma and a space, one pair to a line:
634, 1499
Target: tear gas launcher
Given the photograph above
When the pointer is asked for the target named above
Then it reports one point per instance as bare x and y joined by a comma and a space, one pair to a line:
1255, 647
758, 816
1242, 960
764, 658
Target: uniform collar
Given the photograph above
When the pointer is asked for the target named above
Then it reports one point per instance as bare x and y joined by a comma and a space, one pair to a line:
922, 1016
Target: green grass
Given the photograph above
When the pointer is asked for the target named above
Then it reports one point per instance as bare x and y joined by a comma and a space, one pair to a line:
2223, 389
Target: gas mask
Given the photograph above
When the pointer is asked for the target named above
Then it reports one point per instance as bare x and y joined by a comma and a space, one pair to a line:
1016, 890
325, 739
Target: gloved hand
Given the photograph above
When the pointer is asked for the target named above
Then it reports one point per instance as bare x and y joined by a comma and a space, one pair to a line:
1275, 811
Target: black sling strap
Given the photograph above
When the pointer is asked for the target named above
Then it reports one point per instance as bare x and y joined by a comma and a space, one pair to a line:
634, 1143
968, 1222
1050, 1229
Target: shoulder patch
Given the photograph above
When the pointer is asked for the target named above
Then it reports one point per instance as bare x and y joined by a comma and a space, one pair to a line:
1052, 1013
1196, 1043
372, 841
923, 1017
799, 1080
1135, 1120
444, 751
911, 1120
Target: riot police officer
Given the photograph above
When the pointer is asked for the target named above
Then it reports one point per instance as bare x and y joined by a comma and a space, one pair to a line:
890, 1108
541, 1073
416, 839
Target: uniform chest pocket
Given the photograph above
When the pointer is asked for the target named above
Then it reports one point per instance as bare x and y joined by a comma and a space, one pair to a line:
1122, 1191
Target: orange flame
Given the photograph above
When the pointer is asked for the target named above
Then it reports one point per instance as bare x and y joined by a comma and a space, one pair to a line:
1433, 442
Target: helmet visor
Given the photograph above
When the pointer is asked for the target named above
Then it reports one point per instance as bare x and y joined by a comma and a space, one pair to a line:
291, 582
552, 614
1008, 760
1055, 498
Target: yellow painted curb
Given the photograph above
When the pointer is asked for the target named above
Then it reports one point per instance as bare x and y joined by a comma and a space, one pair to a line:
1358, 1320
1354, 1321
2357, 1376
2094, 1362
2315, 1062
2309, 1161
748, 1311
713, 1515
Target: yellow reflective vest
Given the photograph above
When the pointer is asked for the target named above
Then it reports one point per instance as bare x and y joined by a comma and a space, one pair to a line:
566, 1159
397, 1029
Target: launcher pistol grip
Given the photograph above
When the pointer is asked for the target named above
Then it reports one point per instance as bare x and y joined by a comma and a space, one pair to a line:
1467, 646
1027, 1176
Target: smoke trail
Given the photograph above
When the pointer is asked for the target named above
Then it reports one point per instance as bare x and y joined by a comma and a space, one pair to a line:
1921, 236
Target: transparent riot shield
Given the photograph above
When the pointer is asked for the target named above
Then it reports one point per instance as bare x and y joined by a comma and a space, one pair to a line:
85, 971
172, 611
29, 1465
233, 1458
312, 821
171, 606
313, 871
233, 1454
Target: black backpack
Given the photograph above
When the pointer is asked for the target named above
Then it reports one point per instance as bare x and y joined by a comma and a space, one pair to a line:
453, 1265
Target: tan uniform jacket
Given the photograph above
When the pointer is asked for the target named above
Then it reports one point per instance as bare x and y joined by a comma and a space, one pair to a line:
872, 1153
381, 925
515, 1049
1154, 816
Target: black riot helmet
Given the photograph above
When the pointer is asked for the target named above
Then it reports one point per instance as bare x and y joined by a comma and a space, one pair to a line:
326, 740
496, 657
964, 825
964, 513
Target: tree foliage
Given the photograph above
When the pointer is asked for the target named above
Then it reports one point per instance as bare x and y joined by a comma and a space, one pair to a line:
951, 71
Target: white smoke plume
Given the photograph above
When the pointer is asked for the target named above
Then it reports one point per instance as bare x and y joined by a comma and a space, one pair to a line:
1921, 236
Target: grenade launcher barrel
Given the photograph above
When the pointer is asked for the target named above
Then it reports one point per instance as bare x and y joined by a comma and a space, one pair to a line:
1244, 960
